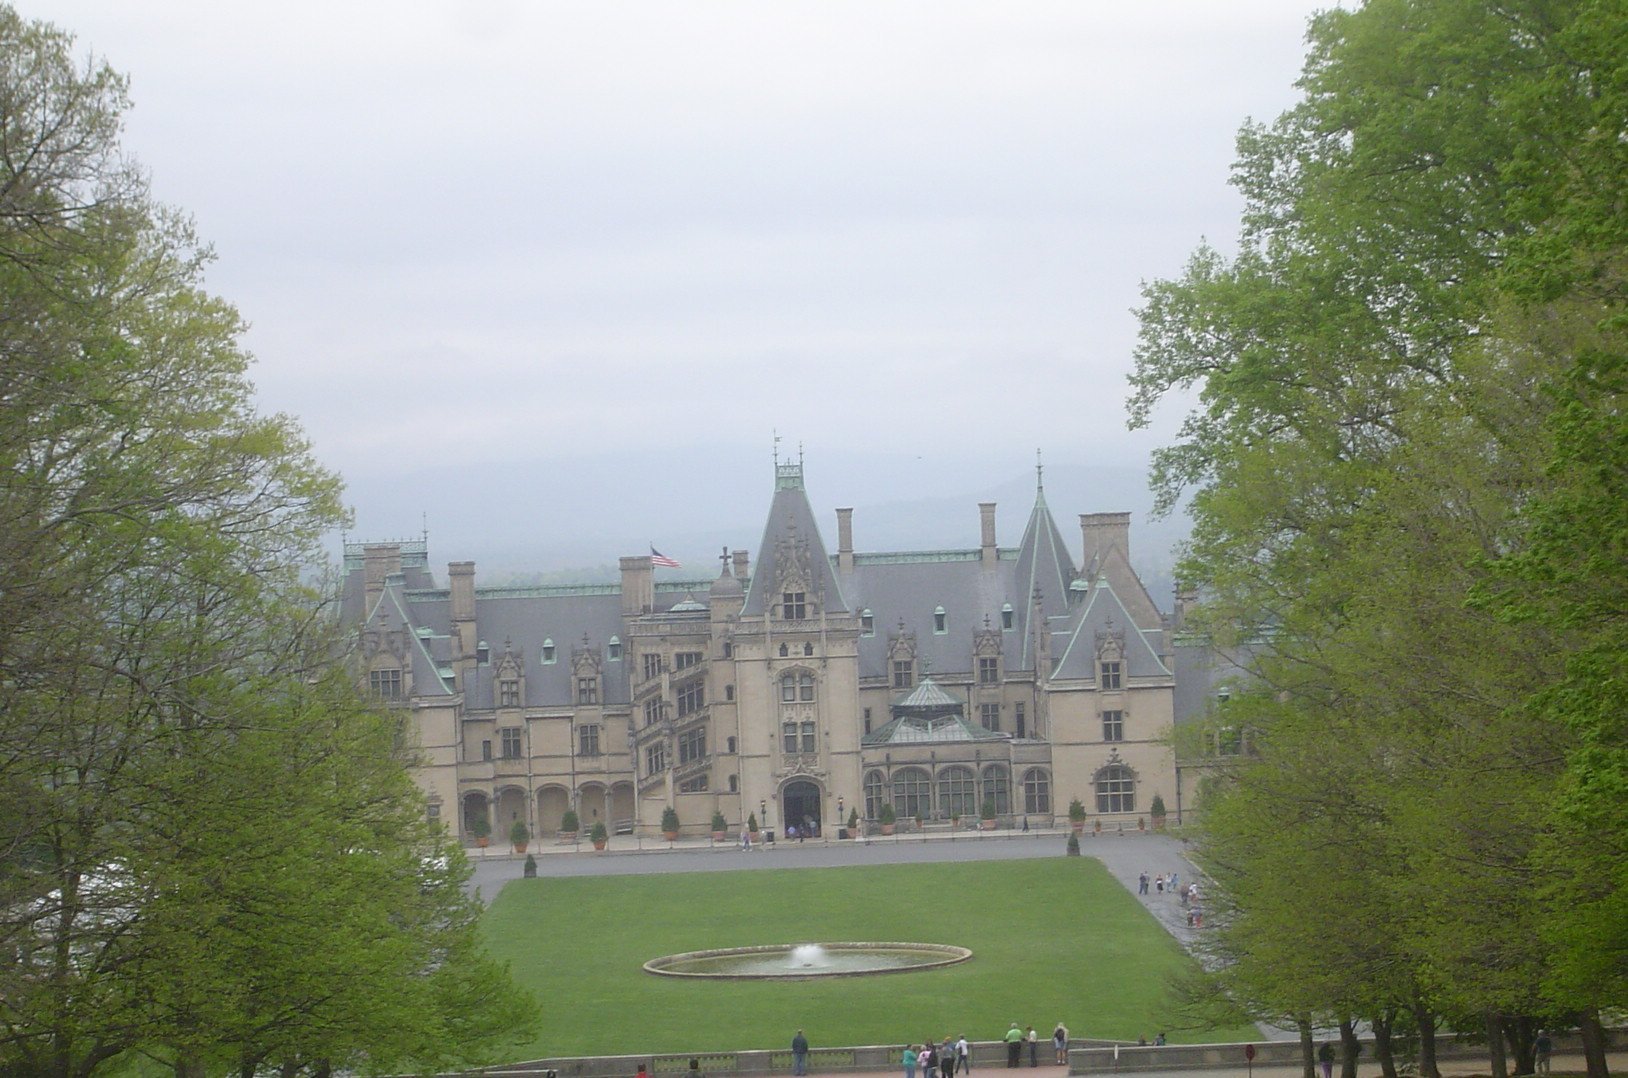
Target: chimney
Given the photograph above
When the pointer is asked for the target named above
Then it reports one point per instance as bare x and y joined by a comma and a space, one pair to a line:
743, 571
845, 540
461, 582
986, 526
638, 585
1186, 600
1102, 532
379, 560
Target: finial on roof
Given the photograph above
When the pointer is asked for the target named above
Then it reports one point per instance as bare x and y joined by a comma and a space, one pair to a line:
1039, 471
776, 447
424, 524
724, 558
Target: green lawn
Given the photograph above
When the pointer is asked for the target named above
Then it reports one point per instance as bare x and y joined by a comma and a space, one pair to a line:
1052, 939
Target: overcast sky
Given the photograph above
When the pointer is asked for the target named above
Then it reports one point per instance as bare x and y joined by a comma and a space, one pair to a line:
496, 251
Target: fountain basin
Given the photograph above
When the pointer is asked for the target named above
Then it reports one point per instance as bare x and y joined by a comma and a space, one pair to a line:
788, 961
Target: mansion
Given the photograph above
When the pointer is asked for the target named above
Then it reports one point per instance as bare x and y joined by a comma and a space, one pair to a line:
799, 685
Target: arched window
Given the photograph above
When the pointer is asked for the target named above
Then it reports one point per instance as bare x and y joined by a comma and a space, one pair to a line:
875, 794
613, 650
1116, 789
957, 792
941, 621
912, 792
997, 783
1036, 791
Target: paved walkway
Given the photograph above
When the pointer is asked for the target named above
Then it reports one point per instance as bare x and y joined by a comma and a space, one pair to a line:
1450, 1068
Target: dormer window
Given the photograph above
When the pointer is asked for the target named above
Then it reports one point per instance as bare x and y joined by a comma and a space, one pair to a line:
1006, 618
794, 605
867, 623
508, 692
548, 650
613, 650
1109, 670
941, 621
483, 653
385, 684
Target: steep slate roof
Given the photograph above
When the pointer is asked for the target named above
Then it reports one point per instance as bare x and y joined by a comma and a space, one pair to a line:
389, 614
1076, 648
897, 588
791, 518
1043, 563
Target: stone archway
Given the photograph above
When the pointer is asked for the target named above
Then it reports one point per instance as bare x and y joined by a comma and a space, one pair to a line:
552, 801
475, 806
621, 808
801, 806
509, 808
593, 806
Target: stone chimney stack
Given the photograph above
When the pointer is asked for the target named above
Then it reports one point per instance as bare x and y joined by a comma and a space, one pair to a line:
638, 585
1102, 532
743, 566
986, 528
461, 584
845, 540
379, 560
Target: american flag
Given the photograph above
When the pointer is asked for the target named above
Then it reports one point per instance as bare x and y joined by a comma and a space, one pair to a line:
658, 558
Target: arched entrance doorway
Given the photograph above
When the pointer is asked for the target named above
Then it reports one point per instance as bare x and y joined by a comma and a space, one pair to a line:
800, 806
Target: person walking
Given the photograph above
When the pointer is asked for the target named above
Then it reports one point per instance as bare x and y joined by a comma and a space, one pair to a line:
1014, 1046
946, 1058
799, 1054
1059, 1043
963, 1056
1325, 1056
1544, 1047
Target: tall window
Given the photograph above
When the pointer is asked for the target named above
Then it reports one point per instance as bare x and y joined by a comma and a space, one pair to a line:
1036, 791
1113, 726
1006, 618
508, 692
385, 683
941, 621
793, 605
652, 711
809, 742
510, 746
989, 716
692, 744
691, 697
867, 623
912, 792
957, 792
587, 690
989, 670
1116, 789
904, 673
788, 738
1020, 717
997, 788
875, 794
1110, 674
652, 666
655, 758
588, 741
795, 686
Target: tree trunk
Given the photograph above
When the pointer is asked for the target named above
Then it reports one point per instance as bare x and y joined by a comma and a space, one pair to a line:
1427, 1041
1495, 1047
1351, 1048
1593, 1044
1308, 1049
1521, 1034
1383, 1050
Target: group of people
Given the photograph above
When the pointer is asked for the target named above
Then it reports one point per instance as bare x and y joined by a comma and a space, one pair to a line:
1161, 883
1172, 883
945, 1060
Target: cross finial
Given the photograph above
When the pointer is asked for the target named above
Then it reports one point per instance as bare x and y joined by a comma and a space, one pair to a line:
724, 557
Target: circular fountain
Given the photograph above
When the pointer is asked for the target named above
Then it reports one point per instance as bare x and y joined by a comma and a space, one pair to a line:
802, 960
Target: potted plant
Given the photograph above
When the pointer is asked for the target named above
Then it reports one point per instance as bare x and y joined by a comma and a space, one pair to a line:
481, 828
1073, 844
720, 826
598, 835
1141, 823
986, 814
1156, 810
1076, 815
669, 823
853, 823
569, 826
886, 818
751, 828
519, 836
